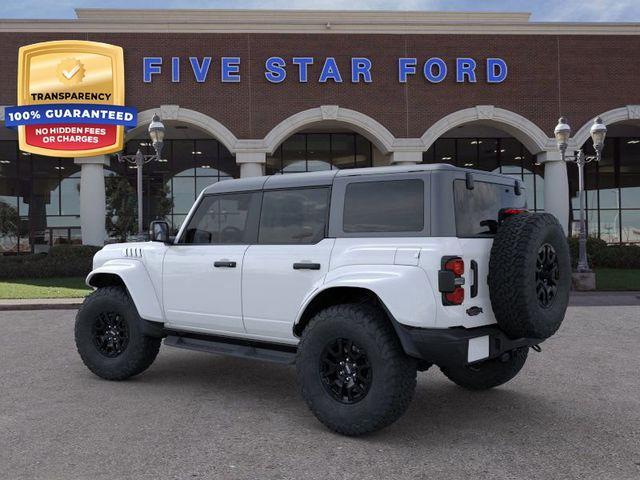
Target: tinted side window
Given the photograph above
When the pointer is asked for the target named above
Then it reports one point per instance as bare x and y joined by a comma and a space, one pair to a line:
386, 206
229, 218
477, 210
294, 216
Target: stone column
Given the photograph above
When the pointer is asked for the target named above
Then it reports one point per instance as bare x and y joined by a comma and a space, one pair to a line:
251, 163
405, 158
92, 199
556, 187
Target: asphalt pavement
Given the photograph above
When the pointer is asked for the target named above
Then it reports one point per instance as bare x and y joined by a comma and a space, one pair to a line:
573, 412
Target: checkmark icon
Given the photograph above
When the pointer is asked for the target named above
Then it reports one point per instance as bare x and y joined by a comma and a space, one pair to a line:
71, 73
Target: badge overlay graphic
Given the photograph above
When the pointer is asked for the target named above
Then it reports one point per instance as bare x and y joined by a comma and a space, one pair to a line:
70, 99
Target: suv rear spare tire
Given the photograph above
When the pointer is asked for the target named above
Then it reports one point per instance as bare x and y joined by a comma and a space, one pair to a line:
530, 275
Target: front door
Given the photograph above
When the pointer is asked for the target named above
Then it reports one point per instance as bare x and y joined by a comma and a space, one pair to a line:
290, 260
202, 272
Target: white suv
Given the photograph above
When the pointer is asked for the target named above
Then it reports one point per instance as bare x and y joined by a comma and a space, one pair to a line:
359, 277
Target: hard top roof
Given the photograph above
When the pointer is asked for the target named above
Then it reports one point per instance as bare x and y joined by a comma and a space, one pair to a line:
326, 177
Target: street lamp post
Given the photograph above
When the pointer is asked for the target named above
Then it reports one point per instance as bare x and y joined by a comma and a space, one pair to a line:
156, 133
562, 133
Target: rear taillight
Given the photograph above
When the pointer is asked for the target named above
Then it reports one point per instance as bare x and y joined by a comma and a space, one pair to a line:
456, 297
455, 265
450, 280
505, 213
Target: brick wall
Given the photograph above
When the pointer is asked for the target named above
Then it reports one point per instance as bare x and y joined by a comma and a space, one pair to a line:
578, 76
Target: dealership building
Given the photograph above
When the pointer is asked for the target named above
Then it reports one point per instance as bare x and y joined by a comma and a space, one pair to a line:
246, 93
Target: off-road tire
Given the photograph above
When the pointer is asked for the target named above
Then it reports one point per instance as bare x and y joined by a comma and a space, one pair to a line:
140, 350
514, 276
393, 373
489, 374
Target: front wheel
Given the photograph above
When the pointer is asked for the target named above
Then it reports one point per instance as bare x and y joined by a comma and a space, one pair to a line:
489, 374
108, 335
353, 372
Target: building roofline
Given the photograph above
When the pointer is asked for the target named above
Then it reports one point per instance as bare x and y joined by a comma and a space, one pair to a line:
285, 15
310, 21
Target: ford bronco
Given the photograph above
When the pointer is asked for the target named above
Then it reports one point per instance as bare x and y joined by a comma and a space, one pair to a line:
360, 277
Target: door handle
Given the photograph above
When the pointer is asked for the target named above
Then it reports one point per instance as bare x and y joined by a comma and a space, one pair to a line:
224, 263
306, 266
474, 271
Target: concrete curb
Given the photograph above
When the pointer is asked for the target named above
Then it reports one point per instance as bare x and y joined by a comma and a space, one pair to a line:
577, 299
604, 299
41, 304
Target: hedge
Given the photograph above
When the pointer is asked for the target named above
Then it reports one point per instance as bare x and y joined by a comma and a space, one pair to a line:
61, 261
601, 255
76, 260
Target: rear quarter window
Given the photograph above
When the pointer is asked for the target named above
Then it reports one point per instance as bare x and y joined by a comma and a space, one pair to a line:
384, 206
476, 211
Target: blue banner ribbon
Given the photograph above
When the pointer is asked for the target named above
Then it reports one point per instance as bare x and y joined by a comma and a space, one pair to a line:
70, 113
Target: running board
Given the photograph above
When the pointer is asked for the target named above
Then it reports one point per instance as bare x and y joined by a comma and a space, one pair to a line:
234, 347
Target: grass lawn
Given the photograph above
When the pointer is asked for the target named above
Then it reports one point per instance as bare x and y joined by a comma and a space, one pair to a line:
71, 287
617, 279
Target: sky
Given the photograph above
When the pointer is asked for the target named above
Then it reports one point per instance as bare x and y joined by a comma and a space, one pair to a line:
542, 10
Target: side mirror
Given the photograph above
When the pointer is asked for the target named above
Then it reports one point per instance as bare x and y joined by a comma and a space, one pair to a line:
159, 231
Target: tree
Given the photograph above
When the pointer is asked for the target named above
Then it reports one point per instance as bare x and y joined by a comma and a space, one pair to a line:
122, 207
162, 201
122, 216
9, 222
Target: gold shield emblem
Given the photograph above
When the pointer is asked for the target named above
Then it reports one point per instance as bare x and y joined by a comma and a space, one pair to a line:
71, 72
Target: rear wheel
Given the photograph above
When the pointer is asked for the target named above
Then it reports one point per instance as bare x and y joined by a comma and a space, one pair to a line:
108, 335
353, 372
489, 374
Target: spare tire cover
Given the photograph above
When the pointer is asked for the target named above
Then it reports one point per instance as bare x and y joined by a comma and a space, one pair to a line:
530, 275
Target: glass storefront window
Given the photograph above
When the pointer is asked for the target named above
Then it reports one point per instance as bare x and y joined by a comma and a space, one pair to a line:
429, 155
445, 151
630, 224
274, 162
294, 154
364, 152
630, 196
343, 150
8, 158
318, 151
609, 226
182, 159
44, 192
501, 155
184, 192
511, 155
629, 172
488, 153
70, 196
467, 152
306, 152
171, 185
204, 182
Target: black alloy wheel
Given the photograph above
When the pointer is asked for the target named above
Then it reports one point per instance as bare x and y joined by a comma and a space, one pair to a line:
345, 371
110, 334
547, 275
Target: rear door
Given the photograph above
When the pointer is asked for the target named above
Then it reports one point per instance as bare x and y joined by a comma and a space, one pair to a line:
289, 261
476, 221
202, 273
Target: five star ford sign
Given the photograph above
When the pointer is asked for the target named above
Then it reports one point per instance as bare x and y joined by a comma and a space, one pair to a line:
70, 99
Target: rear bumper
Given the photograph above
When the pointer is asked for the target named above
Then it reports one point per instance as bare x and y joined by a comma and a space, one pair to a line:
459, 346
